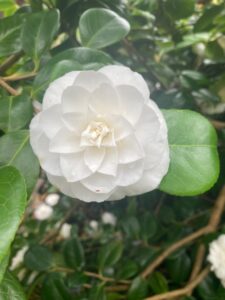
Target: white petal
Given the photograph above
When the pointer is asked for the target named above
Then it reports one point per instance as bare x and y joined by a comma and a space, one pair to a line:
90, 80
122, 128
40, 145
53, 93
153, 153
131, 102
73, 166
110, 162
50, 120
129, 173
61, 184
65, 141
129, 150
118, 194
123, 75
99, 183
51, 165
93, 157
75, 99
104, 100
151, 178
75, 122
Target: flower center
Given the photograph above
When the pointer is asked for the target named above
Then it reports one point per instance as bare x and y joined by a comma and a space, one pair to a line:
95, 133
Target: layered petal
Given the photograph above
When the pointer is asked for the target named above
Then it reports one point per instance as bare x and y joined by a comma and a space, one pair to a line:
50, 120
93, 157
91, 80
129, 150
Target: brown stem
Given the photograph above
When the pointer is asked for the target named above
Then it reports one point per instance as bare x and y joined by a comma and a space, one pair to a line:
218, 124
10, 61
212, 225
184, 291
8, 88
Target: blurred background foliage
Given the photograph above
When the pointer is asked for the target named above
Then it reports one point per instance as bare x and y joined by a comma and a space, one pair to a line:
179, 48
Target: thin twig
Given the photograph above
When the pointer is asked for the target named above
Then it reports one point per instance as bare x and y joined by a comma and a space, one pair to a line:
211, 227
218, 124
184, 291
10, 61
8, 88
15, 77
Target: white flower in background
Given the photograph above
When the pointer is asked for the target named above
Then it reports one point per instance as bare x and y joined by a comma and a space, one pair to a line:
94, 225
217, 258
43, 212
65, 230
99, 136
52, 199
108, 218
18, 258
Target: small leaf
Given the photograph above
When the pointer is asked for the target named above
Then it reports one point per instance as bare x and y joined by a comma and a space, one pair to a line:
180, 9
101, 27
38, 258
194, 165
38, 32
110, 254
74, 254
54, 288
15, 150
10, 289
127, 269
97, 293
12, 206
75, 59
179, 267
10, 41
158, 283
15, 112
138, 289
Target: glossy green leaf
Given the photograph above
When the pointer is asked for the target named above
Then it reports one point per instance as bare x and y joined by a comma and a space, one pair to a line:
12, 205
8, 7
97, 293
75, 59
194, 164
110, 254
179, 267
10, 289
15, 112
100, 27
38, 258
138, 289
15, 150
180, 9
158, 283
127, 269
54, 288
38, 32
74, 254
3, 265
10, 41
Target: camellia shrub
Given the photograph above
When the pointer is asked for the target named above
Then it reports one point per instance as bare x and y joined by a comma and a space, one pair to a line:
112, 139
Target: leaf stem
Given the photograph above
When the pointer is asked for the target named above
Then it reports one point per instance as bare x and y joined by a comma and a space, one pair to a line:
8, 88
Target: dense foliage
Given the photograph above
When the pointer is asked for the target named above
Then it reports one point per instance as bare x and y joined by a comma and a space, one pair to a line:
179, 48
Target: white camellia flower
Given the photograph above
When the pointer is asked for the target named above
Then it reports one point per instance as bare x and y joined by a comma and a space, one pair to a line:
217, 258
99, 136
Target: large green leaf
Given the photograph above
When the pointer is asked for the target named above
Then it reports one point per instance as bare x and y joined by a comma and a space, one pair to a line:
10, 41
10, 289
12, 205
99, 27
194, 165
15, 112
3, 266
38, 32
15, 150
74, 59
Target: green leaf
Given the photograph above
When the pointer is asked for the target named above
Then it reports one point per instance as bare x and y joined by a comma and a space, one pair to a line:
138, 289
3, 266
38, 258
99, 27
10, 41
75, 59
10, 289
15, 150
54, 288
178, 9
148, 226
179, 267
158, 283
74, 254
110, 254
38, 32
8, 7
194, 161
12, 205
15, 112
97, 293
127, 269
